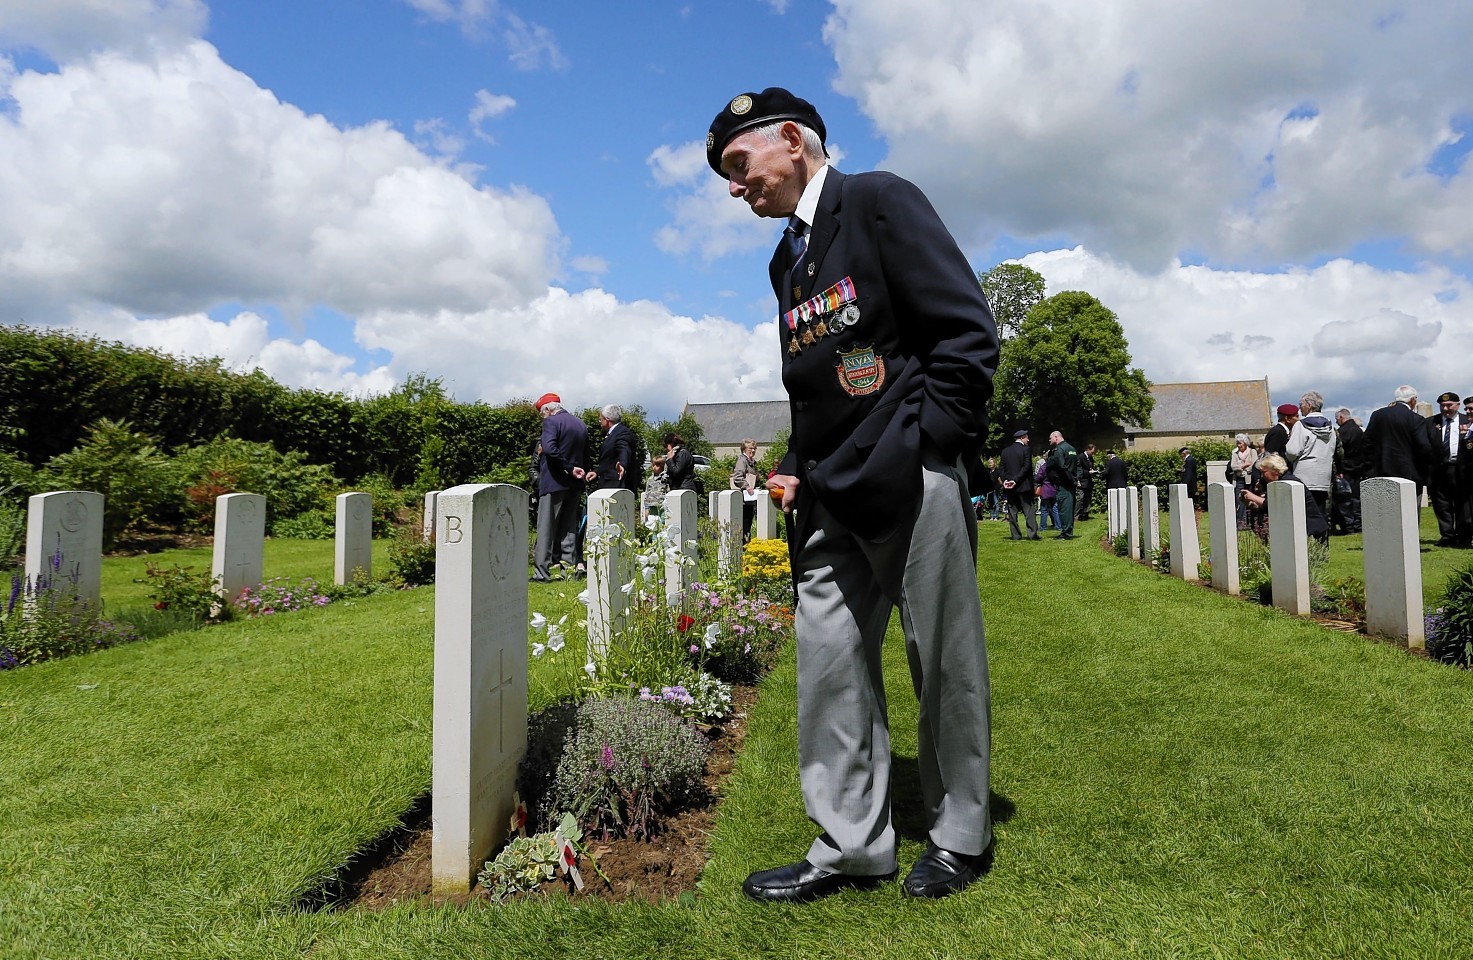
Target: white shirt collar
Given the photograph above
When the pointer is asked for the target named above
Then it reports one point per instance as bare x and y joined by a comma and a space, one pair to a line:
808, 203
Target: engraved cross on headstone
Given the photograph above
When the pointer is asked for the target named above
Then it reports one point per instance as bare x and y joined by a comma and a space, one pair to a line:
498, 691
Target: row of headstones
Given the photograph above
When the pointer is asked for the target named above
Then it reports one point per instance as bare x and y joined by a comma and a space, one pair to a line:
1393, 563
481, 616
64, 537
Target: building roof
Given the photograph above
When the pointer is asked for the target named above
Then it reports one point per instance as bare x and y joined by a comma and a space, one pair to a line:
1224, 406
731, 423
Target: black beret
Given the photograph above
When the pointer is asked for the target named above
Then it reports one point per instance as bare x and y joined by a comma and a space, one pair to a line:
1019, 433
1449, 395
749, 110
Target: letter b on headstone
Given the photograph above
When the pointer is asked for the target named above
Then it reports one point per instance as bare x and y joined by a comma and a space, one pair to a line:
480, 726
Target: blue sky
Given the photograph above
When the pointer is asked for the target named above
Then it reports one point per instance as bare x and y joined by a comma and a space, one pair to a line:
513, 196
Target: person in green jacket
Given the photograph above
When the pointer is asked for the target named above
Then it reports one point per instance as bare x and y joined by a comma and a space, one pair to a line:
1062, 471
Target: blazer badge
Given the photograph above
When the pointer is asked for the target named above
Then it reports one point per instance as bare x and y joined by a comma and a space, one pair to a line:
861, 371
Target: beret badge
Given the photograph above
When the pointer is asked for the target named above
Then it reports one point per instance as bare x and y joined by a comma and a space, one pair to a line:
741, 104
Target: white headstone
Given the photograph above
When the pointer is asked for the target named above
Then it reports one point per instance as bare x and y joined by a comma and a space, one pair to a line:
1222, 519
353, 544
1388, 507
429, 522
240, 543
766, 526
1151, 520
1288, 546
729, 533
711, 503
1216, 471
680, 545
1133, 523
64, 542
1186, 545
1114, 512
611, 519
480, 707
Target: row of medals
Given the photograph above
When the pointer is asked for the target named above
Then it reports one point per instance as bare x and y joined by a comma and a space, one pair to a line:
836, 322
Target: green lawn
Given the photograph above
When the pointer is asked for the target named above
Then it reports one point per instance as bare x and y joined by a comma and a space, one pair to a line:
1178, 774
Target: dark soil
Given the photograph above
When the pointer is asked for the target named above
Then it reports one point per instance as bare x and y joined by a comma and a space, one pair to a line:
663, 869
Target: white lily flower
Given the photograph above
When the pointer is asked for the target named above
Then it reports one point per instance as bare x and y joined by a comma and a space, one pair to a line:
627, 588
554, 639
537, 649
539, 622
583, 598
590, 669
713, 631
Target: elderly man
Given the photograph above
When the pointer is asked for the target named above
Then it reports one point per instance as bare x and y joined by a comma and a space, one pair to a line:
1350, 465
1017, 486
1311, 449
559, 488
618, 467
1397, 444
1447, 482
1277, 438
888, 351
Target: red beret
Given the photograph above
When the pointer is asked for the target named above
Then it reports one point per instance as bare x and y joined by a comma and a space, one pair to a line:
1285, 409
547, 398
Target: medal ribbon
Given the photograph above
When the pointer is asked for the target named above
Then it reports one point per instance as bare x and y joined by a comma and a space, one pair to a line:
826, 302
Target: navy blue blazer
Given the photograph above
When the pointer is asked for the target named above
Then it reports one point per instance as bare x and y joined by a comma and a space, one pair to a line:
888, 345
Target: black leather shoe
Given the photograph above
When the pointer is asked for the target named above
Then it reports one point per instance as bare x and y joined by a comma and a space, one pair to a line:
1035, 537
940, 873
801, 882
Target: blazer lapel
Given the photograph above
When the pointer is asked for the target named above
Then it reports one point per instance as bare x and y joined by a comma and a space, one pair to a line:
821, 236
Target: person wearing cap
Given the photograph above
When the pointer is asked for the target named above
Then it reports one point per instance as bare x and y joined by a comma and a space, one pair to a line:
888, 350
1397, 444
559, 488
1018, 487
1447, 477
1277, 438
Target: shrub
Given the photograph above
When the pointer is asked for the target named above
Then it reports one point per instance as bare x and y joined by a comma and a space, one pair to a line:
766, 570
411, 557
138, 482
44, 619
733, 637
1344, 597
290, 485
700, 697
12, 527
189, 595
319, 524
281, 595
1450, 628
625, 764
527, 862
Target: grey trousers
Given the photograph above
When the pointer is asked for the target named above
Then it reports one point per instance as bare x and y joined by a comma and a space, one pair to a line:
1028, 504
847, 588
557, 531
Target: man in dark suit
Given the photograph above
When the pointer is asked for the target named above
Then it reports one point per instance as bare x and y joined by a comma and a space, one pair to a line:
1189, 472
1447, 486
1350, 466
1277, 438
1017, 486
888, 351
617, 467
1115, 474
559, 488
1397, 444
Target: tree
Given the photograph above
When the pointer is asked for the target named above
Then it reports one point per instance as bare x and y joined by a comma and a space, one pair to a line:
1012, 290
1068, 369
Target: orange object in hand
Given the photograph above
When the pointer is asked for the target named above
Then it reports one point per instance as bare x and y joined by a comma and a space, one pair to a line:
777, 495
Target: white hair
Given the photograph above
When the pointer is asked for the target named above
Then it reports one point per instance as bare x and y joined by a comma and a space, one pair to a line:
1313, 400
1406, 393
613, 413
552, 405
812, 142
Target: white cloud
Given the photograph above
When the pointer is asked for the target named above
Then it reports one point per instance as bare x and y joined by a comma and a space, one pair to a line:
488, 107
588, 347
1349, 330
528, 45
594, 266
1144, 130
167, 186
63, 29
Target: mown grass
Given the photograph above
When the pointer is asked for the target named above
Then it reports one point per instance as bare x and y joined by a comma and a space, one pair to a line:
1178, 774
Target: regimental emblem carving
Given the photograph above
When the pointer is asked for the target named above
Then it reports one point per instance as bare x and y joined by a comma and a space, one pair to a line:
503, 529
358, 507
73, 515
741, 104
247, 512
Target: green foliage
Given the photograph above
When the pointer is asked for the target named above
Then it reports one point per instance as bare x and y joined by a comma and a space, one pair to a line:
18, 479
625, 764
411, 556
1012, 290
527, 862
477, 439
697, 696
43, 618
1120, 545
689, 430
12, 528
1068, 369
774, 454
387, 501
1342, 596
138, 482
188, 594
289, 483
1450, 627
318, 524
281, 595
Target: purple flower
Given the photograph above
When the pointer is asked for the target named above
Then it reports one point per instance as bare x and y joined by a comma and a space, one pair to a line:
606, 758
694, 648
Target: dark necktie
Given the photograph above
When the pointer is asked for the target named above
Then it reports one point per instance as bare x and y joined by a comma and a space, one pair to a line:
792, 249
